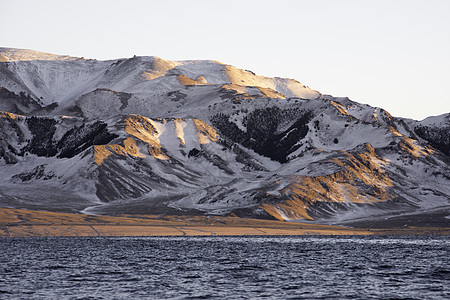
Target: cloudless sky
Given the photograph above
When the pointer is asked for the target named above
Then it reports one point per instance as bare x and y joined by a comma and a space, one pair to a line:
392, 54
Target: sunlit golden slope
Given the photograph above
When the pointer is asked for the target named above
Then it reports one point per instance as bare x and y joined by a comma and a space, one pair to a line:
149, 132
362, 179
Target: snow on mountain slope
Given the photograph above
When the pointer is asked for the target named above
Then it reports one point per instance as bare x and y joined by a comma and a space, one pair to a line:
146, 135
439, 121
49, 81
51, 78
130, 157
12, 54
135, 164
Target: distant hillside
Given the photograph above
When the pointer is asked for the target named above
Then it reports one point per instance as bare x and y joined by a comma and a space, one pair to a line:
146, 135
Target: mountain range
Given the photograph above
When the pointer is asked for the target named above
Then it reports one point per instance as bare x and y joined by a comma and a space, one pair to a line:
144, 135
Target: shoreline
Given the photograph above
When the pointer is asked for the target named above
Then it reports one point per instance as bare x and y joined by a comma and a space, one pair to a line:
32, 223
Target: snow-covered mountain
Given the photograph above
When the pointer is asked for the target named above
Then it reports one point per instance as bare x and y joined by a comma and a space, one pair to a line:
146, 135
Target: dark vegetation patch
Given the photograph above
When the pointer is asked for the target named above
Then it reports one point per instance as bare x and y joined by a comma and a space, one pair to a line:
73, 142
272, 132
438, 137
10, 135
80, 138
194, 152
41, 143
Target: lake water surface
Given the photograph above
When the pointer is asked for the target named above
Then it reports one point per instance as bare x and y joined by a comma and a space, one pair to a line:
225, 267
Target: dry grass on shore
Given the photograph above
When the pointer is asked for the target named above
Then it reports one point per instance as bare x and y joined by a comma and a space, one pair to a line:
27, 223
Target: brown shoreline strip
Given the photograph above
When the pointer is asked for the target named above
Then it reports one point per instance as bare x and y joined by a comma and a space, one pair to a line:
30, 223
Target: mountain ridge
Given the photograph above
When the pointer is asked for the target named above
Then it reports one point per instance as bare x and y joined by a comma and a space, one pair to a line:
154, 136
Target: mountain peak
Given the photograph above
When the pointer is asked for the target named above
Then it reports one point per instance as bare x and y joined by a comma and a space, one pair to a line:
14, 54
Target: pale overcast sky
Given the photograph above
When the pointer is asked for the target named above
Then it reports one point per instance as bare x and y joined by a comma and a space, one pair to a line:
393, 54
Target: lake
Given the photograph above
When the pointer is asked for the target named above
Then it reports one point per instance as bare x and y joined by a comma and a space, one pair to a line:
298, 267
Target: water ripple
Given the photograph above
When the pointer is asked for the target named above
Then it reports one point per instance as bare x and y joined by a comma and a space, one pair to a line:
225, 267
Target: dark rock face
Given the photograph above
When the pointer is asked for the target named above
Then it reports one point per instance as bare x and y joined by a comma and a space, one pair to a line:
268, 132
